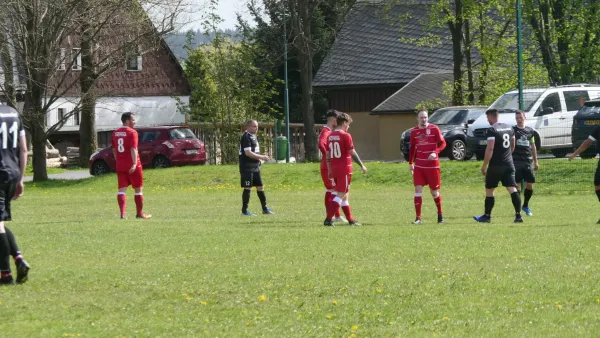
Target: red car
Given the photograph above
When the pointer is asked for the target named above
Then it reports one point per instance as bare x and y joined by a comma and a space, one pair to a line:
159, 147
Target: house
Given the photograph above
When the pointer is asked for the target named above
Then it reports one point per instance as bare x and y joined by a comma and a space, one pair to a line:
151, 85
378, 76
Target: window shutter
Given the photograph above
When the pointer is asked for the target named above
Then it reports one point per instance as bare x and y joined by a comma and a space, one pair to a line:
139, 62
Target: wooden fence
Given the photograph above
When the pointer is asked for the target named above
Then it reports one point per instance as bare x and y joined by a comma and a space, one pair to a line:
210, 133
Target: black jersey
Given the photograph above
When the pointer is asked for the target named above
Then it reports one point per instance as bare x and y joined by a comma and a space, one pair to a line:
249, 142
502, 134
523, 144
10, 130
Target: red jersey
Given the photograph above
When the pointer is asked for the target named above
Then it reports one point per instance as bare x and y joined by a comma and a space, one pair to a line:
339, 147
123, 139
323, 145
423, 142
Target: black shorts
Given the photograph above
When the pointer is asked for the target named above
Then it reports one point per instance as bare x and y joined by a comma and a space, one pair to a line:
597, 175
7, 192
524, 172
503, 174
251, 179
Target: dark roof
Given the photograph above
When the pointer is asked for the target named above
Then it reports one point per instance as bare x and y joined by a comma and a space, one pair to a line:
426, 86
370, 49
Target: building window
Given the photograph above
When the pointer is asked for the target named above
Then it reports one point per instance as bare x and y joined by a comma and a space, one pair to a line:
61, 114
134, 62
76, 53
61, 60
76, 118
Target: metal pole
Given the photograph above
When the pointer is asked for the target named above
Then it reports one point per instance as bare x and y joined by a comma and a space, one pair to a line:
520, 56
286, 102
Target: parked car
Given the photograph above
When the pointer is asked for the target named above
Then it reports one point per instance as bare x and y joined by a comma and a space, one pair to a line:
549, 111
584, 122
158, 147
453, 123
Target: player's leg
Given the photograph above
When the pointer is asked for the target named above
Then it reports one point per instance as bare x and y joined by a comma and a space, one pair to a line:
419, 180
491, 183
346, 202
22, 266
336, 202
330, 195
597, 185
529, 177
260, 191
5, 273
122, 184
246, 183
435, 183
137, 183
508, 180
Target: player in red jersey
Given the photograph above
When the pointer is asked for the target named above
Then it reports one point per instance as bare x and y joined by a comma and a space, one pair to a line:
129, 166
340, 154
426, 142
323, 146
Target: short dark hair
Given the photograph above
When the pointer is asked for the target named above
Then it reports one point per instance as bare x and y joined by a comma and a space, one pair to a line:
249, 122
519, 112
493, 112
343, 117
332, 113
126, 117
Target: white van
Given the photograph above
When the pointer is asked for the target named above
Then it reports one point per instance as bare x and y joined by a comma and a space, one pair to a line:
549, 111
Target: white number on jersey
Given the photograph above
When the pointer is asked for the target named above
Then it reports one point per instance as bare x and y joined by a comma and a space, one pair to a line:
334, 150
120, 146
506, 140
14, 129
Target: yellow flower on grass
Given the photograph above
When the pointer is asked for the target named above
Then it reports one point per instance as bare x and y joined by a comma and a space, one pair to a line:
330, 316
334, 302
597, 300
355, 327
262, 298
203, 302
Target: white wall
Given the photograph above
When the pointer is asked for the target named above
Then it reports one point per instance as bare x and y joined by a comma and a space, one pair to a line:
148, 110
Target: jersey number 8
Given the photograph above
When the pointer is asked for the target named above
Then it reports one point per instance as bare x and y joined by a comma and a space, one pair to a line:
120, 145
506, 141
334, 150
14, 129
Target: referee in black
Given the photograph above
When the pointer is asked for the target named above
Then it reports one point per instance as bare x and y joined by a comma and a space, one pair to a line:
250, 161
13, 160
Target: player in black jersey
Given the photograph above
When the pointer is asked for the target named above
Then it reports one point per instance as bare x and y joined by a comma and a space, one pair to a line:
13, 160
595, 136
498, 155
250, 161
525, 158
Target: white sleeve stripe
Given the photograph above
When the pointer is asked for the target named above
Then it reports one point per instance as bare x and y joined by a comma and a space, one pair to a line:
592, 138
491, 138
249, 148
22, 133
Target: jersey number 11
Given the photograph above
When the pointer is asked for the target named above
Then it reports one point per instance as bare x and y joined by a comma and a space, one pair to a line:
14, 129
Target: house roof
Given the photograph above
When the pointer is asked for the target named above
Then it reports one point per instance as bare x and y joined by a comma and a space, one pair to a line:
426, 86
372, 46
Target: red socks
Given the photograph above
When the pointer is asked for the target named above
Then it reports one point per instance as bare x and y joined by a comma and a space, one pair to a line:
139, 203
121, 199
418, 204
438, 204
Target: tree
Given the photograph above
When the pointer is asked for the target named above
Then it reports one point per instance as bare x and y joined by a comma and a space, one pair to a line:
227, 86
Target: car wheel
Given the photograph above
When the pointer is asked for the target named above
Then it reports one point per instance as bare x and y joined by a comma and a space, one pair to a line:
469, 155
559, 153
458, 151
100, 168
160, 162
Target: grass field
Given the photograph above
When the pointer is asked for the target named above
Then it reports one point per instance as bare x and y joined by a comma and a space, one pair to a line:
199, 269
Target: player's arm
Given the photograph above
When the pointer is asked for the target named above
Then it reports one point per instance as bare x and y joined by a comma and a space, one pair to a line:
328, 161
441, 141
412, 151
586, 144
356, 159
22, 163
247, 146
489, 151
512, 144
322, 143
536, 165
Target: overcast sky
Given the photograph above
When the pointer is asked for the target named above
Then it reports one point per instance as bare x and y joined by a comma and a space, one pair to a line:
227, 11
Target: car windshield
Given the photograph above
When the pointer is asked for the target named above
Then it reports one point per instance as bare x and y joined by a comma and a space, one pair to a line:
511, 101
589, 110
181, 134
448, 116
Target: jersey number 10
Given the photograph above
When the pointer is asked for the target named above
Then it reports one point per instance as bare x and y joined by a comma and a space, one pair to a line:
334, 150
14, 129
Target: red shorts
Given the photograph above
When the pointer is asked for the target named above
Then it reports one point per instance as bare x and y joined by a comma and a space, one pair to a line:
329, 185
135, 180
428, 176
342, 182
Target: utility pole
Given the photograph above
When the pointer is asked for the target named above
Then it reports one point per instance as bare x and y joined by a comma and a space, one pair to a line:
286, 95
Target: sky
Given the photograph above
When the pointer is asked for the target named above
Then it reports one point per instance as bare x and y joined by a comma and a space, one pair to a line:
227, 10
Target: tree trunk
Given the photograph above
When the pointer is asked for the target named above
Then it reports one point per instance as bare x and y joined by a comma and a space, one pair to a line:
456, 29
305, 60
7, 67
470, 84
38, 145
542, 29
87, 127
558, 16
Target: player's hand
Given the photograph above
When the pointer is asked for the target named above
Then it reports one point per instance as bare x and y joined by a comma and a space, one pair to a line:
329, 176
132, 169
411, 167
432, 156
483, 170
364, 169
571, 157
536, 166
19, 190
265, 158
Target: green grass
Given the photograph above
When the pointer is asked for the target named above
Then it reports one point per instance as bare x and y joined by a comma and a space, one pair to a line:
199, 269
